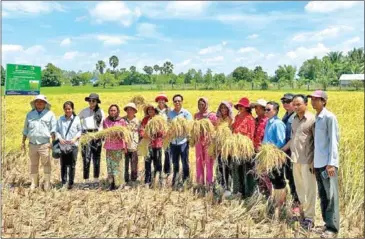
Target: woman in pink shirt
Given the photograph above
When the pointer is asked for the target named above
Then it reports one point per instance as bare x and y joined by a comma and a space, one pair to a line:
115, 147
203, 160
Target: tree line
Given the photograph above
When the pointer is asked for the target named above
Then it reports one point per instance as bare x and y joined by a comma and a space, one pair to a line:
325, 71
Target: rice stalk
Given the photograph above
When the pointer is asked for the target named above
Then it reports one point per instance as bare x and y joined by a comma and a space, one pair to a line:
222, 133
155, 126
201, 130
269, 158
139, 100
142, 148
239, 147
115, 132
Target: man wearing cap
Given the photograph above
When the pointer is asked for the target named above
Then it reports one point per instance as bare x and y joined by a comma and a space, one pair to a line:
326, 162
39, 126
131, 157
260, 123
163, 110
302, 153
92, 121
287, 101
179, 147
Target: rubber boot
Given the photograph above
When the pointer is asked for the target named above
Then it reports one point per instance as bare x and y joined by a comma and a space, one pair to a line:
111, 183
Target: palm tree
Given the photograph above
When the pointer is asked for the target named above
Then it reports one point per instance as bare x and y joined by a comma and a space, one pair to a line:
167, 67
100, 66
335, 56
156, 68
113, 62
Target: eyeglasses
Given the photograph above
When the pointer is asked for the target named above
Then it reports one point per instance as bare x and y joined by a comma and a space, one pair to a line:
177, 101
286, 101
267, 110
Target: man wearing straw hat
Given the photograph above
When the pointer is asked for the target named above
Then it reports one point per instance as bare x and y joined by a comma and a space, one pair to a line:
39, 126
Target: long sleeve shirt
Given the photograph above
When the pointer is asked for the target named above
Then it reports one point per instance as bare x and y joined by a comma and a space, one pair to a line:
88, 121
260, 124
288, 120
114, 143
157, 141
275, 132
134, 125
326, 140
244, 124
38, 126
182, 113
62, 125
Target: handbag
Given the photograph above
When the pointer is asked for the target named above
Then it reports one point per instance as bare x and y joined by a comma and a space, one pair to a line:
58, 149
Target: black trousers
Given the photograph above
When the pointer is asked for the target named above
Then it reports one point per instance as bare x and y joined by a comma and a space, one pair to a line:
167, 162
68, 161
224, 171
277, 178
177, 152
131, 159
155, 156
91, 152
288, 169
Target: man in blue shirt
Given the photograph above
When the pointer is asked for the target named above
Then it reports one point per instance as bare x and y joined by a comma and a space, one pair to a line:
39, 126
275, 134
179, 147
287, 101
326, 157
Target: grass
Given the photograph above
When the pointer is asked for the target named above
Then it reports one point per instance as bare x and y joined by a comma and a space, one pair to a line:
141, 212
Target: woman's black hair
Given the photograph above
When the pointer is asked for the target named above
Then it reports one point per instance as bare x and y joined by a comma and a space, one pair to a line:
98, 116
71, 104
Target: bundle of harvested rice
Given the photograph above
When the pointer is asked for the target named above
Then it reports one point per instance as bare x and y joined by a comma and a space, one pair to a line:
156, 125
142, 148
222, 133
139, 100
179, 128
115, 132
269, 158
202, 129
239, 147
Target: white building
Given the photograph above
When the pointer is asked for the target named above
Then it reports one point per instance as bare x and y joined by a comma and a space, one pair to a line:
346, 79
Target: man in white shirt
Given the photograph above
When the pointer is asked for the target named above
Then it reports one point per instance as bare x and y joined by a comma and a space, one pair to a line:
92, 121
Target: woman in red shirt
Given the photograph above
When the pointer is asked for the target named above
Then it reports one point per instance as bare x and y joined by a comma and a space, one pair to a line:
243, 178
155, 148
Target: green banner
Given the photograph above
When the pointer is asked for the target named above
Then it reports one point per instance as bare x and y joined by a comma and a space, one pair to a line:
22, 80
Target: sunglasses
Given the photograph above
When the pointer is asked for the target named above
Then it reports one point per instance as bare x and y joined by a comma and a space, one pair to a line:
92, 101
286, 101
267, 110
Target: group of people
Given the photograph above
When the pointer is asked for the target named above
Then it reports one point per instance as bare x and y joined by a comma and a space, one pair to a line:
310, 141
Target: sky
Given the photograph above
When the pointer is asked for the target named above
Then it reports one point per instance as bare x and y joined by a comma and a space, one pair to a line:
192, 34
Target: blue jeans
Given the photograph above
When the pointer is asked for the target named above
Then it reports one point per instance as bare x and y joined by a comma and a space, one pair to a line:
180, 151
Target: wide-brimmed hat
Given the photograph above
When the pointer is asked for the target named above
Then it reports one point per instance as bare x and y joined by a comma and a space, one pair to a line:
147, 106
162, 97
40, 97
319, 94
93, 96
130, 105
244, 102
259, 102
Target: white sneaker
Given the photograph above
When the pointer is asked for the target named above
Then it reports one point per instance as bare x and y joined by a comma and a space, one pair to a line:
96, 180
227, 193
86, 180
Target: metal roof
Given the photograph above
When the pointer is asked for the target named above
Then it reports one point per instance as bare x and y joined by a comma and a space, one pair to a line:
352, 77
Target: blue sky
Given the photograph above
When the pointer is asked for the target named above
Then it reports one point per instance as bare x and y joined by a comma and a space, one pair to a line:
200, 34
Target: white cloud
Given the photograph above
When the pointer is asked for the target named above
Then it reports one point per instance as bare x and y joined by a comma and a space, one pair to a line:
71, 55
269, 56
186, 8
11, 48
302, 53
81, 18
213, 49
213, 60
115, 12
112, 40
330, 6
22, 8
34, 50
149, 30
354, 40
66, 42
330, 32
247, 50
253, 36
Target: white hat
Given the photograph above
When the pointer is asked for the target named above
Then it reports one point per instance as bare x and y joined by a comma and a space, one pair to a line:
131, 105
43, 98
260, 102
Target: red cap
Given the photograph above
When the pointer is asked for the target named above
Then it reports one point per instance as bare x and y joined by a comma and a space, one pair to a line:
161, 96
